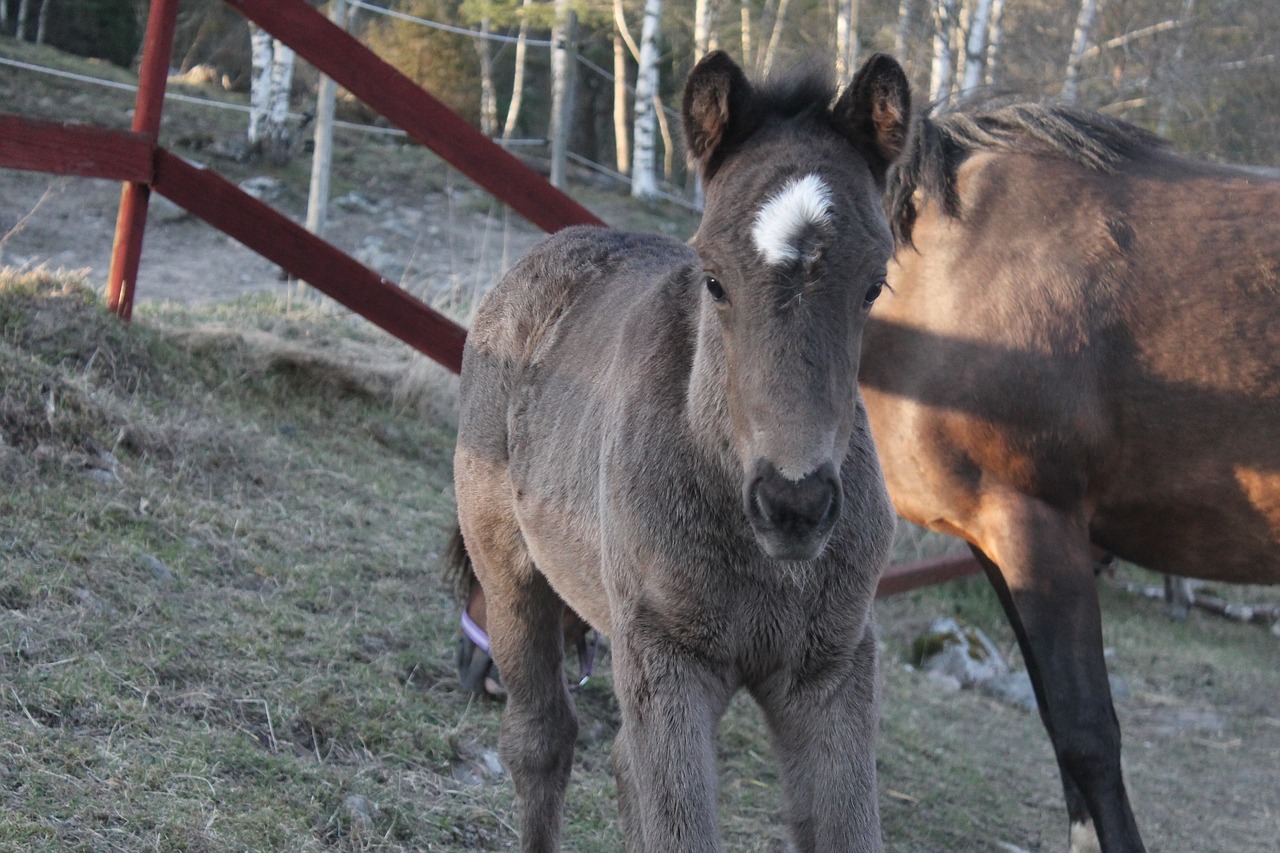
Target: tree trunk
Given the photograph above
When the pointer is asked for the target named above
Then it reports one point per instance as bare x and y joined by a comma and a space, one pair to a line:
279, 142
994, 32
4, 17
1079, 41
259, 84
269, 95
846, 38
902, 34
745, 17
701, 27
776, 37
24, 9
488, 98
668, 144
944, 18
563, 66
976, 49
322, 156
517, 79
42, 20
621, 135
644, 180
1168, 97
959, 41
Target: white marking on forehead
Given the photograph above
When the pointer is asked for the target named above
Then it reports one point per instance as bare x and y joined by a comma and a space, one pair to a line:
802, 203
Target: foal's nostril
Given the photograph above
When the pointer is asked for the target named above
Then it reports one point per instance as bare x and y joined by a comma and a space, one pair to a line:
795, 507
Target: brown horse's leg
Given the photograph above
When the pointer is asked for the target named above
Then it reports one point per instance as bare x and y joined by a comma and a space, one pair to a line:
825, 734
665, 749
1042, 571
539, 725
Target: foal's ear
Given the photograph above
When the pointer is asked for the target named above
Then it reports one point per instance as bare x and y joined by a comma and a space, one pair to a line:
875, 112
716, 98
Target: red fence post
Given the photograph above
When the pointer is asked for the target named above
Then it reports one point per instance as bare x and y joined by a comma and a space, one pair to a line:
153, 75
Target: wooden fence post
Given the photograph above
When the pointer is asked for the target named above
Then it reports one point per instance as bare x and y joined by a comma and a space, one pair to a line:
131, 222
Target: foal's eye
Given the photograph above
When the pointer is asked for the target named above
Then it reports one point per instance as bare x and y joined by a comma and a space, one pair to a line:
713, 286
873, 293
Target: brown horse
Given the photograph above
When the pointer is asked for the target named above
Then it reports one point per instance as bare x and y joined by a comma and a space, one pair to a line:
668, 437
1080, 347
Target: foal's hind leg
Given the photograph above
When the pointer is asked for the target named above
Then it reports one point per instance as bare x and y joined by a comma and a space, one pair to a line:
539, 725
824, 732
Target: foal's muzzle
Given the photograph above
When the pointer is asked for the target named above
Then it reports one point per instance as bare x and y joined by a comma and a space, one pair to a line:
792, 519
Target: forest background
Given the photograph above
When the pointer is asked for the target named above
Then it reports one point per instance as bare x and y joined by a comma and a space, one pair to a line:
601, 77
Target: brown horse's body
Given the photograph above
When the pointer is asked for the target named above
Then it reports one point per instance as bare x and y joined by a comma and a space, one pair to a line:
1081, 346
668, 437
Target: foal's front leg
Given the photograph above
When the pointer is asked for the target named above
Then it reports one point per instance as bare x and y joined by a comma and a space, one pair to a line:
825, 736
664, 754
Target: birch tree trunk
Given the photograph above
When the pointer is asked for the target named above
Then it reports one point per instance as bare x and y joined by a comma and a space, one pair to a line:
621, 127
42, 20
517, 79
644, 180
745, 19
976, 49
994, 32
259, 83
1079, 42
944, 19
621, 134
278, 137
775, 38
1167, 98
846, 38
4, 17
701, 28
269, 94
488, 98
24, 9
563, 66
902, 34
960, 41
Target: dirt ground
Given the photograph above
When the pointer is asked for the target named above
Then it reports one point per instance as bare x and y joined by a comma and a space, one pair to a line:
432, 242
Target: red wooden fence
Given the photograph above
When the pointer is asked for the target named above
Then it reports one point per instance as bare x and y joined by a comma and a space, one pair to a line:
136, 158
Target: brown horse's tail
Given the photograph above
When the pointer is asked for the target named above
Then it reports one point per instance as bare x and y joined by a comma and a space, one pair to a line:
458, 571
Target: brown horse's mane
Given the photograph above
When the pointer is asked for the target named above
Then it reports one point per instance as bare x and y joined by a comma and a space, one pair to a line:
938, 145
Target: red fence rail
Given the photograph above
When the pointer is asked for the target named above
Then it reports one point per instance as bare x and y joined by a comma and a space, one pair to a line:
136, 158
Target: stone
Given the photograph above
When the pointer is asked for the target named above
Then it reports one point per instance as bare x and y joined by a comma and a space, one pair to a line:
963, 652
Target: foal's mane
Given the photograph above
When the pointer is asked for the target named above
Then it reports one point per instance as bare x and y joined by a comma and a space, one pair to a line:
807, 87
938, 145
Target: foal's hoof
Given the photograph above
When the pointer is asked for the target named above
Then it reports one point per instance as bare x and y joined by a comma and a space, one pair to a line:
477, 671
